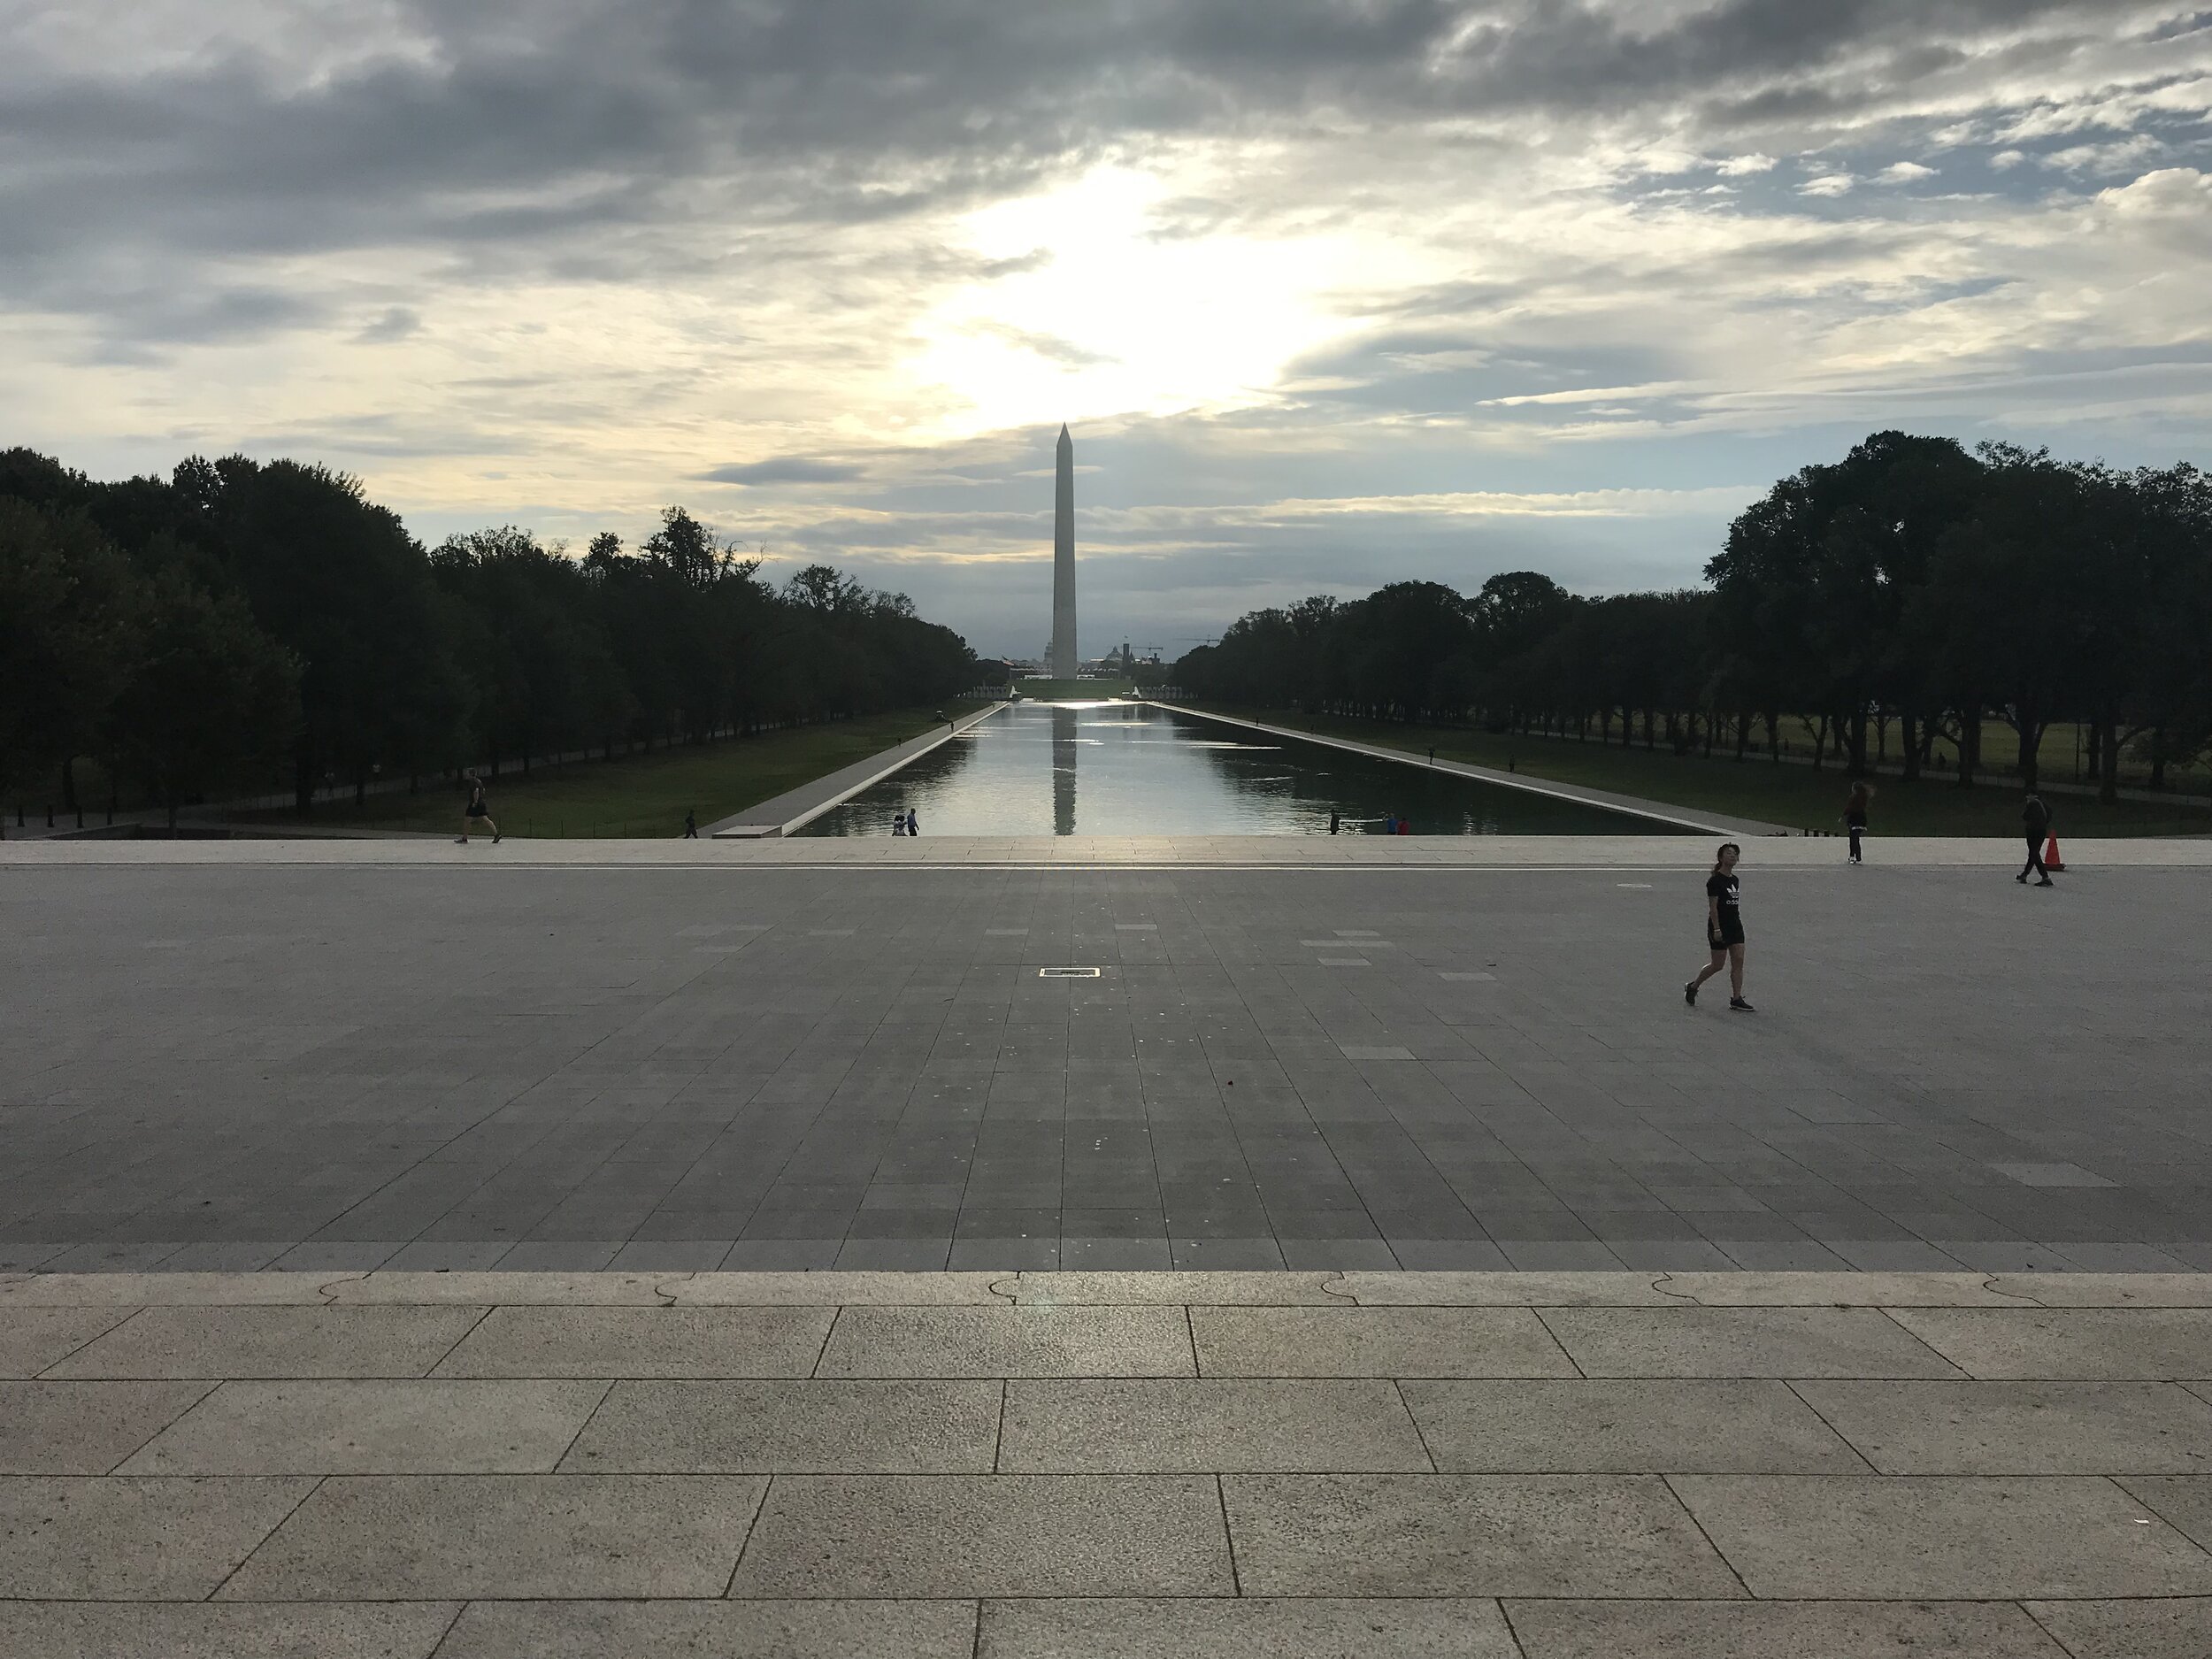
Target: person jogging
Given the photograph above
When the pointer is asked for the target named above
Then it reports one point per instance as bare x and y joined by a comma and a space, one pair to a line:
1724, 930
1855, 816
2035, 819
477, 811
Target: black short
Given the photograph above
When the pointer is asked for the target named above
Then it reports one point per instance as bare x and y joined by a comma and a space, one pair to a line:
1728, 933
483, 812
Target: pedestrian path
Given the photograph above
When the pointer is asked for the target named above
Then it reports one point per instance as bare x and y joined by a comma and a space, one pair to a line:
781, 814
1517, 1466
1235, 852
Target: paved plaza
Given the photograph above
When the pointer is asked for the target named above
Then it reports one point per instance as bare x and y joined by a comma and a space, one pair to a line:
1364, 1465
680, 1057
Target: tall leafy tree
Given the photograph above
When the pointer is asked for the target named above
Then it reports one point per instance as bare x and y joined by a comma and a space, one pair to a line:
209, 694
66, 617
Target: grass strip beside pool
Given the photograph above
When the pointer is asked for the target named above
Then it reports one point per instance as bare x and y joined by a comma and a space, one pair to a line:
1755, 787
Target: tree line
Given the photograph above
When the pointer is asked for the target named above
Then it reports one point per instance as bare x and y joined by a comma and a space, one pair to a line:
1914, 586
240, 619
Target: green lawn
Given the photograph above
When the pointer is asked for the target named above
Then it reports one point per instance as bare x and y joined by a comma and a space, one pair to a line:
640, 794
1791, 794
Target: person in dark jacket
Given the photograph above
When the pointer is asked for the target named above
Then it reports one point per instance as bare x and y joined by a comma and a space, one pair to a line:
1855, 816
2035, 819
478, 811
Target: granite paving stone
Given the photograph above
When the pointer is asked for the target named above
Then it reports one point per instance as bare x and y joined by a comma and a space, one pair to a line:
633, 1095
279, 1342
977, 1535
119, 1540
1023, 1342
807, 1427
1741, 1342
2019, 1428
32, 1339
2173, 1628
1624, 1427
2143, 1343
2185, 1501
714, 1630
1910, 1538
1374, 1342
1253, 1627
1363, 1535
84, 1428
370, 1537
373, 1427
1780, 1630
1209, 1425
191, 1630
684, 1341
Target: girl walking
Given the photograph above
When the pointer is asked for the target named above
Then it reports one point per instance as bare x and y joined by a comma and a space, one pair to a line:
1855, 816
477, 811
1724, 930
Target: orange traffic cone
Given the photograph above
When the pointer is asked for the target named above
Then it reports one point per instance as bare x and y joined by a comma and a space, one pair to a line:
2051, 860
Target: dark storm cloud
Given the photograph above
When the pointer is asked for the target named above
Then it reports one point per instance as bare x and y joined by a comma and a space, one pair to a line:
511, 123
786, 470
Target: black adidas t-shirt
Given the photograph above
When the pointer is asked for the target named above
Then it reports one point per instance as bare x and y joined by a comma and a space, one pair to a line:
1724, 889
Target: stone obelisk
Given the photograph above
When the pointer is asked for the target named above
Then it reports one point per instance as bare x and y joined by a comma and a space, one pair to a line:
1064, 662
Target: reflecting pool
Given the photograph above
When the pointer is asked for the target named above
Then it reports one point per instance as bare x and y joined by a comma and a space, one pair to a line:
1136, 769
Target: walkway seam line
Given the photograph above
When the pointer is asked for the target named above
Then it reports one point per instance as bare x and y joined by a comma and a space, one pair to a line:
760, 1508
1398, 1387
590, 1417
1228, 1535
40, 1375
482, 1314
815, 1370
262, 1542
1668, 1481
1791, 1382
1890, 1314
446, 1635
1555, 1342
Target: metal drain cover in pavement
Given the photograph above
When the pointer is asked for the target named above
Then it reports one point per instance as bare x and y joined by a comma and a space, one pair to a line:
1067, 973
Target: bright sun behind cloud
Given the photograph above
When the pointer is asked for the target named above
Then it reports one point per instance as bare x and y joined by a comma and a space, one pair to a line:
1105, 310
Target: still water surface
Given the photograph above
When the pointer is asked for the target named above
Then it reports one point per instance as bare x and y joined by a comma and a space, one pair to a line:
1135, 769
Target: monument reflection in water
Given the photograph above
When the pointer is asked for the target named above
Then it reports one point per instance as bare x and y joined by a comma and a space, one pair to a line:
1136, 769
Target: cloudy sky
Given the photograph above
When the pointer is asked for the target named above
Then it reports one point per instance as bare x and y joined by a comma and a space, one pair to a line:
1333, 292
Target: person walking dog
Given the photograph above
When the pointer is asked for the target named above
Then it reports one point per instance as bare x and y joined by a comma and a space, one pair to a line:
477, 811
2035, 819
1855, 816
1724, 930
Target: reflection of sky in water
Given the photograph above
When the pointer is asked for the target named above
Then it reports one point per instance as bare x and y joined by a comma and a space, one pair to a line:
1133, 769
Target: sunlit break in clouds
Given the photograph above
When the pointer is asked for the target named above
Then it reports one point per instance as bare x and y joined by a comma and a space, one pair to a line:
1333, 292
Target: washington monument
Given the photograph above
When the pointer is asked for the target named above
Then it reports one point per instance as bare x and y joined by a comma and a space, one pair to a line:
1064, 662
